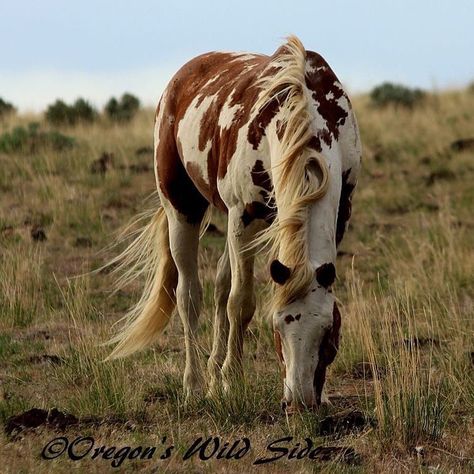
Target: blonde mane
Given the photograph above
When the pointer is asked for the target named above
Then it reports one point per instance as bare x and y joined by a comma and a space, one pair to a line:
299, 174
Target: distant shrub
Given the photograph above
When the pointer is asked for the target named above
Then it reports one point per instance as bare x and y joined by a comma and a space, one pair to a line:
61, 113
84, 111
123, 110
5, 108
30, 139
396, 94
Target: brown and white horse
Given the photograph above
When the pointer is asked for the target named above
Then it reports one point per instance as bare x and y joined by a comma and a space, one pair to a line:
273, 142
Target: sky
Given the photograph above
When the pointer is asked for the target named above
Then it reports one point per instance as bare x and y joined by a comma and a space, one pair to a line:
94, 49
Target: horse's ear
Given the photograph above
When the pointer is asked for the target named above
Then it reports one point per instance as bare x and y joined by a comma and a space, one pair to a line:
279, 272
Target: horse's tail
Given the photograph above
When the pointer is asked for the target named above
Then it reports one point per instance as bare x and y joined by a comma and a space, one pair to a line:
150, 254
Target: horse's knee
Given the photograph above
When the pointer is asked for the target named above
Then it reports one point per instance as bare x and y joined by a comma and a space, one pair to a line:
222, 288
221, 295
241, 308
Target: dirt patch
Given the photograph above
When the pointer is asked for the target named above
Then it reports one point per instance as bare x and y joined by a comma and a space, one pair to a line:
46, 358
268, 418
345, 402
366, 370
102, 164
344, 423
344, 454
443, 174
38, 234
19, 425
35, 334
36, 417
157, 396
463, 144
144, 150
140, 168
416, 342
84, 242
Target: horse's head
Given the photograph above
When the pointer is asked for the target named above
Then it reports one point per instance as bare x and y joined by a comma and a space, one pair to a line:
306, 333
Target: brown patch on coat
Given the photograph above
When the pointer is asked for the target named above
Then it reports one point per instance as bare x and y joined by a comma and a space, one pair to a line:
279, 272
345, 206
208, 190
260, 210
195, 174
315, 143
289, 318
260, 177
323, 82
297, 317
280, 129
175, 183
257, 210
261, 121
326, 274
327, 352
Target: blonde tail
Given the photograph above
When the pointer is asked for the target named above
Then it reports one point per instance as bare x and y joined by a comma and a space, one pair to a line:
149, 253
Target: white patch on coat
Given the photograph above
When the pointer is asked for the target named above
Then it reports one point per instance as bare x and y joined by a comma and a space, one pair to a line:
312, 69
156, 132
210, 81
245, 56
237, 185
188, 135
227, 113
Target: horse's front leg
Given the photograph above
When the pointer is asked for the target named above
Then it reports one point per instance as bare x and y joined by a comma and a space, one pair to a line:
241, 302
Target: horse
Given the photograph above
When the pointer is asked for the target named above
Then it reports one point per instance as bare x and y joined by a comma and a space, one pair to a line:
273, 142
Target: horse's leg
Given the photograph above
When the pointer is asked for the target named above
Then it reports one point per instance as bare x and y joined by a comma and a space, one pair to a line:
241, 303
184, 241
221, 322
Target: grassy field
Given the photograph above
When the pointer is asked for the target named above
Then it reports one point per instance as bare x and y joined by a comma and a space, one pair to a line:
402, 386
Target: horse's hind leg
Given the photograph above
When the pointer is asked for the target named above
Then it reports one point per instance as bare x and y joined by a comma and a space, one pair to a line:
184, 241
221, 322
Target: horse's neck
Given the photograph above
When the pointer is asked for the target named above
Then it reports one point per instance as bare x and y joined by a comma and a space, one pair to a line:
323, 217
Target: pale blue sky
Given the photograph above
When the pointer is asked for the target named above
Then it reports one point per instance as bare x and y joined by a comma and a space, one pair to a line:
54, 48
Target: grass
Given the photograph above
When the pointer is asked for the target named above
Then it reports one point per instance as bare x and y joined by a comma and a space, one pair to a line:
405, 286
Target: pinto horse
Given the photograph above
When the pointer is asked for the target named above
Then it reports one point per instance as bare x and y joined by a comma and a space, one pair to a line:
273, 142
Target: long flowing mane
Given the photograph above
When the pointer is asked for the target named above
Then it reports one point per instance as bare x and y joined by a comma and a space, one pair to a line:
300, 175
